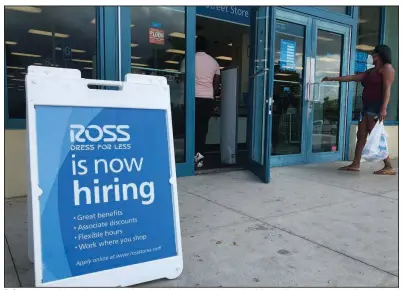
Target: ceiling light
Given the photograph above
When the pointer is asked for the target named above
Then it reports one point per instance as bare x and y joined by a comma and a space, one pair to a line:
23, 73
135, 57
25, 54
82, 60
72, 50
48, 33
282, 75
10, 76
11, 42
172, 61
176, 51
324, 38
365, 47
222, 67
27, 9
134, 45
37, 63
132, 25
139, 64
87, 68
78, 50
224, 58
361, 21
171, 70
230, 44
18, 80
15, 67
177, 34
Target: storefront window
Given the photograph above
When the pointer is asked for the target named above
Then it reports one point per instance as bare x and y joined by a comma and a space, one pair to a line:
158, 48
391, 39
368, 37
46, 36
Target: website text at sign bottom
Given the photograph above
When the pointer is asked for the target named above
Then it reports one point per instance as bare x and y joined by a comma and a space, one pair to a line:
117, 256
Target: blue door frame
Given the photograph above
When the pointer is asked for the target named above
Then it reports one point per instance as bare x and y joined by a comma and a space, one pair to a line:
186, 168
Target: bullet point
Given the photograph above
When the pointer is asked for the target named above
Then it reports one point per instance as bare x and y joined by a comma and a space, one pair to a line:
75, 237
74, 218
75, 247
74, 227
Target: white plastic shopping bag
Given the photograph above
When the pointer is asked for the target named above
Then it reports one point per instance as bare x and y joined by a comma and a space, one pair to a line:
376, 145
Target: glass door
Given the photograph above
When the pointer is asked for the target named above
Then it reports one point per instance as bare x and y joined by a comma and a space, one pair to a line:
259, 117
326, 101
308, 115
289, 110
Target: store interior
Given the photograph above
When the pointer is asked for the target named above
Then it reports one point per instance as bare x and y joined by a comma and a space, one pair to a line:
229, 45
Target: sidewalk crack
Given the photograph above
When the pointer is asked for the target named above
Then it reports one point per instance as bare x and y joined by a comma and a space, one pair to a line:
12, 259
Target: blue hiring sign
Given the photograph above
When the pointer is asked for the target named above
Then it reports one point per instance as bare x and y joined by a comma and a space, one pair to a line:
234, 14
107, 201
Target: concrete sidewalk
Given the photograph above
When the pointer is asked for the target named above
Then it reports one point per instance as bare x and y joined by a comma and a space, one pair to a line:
312, 226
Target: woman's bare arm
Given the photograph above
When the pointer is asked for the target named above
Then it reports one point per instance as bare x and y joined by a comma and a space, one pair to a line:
353, 78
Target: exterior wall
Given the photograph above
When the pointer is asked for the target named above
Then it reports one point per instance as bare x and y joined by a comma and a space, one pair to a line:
15, 164
392, 132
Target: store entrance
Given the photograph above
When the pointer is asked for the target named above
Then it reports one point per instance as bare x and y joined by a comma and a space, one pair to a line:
226, 140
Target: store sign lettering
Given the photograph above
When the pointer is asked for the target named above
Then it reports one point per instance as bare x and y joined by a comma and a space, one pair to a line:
233, 10
235, 14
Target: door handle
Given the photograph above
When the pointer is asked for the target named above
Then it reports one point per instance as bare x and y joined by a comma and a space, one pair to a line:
311, 92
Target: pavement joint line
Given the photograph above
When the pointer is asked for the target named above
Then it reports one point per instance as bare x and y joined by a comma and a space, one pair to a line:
299, 236
342, 187
12, 260
312, 208
219, 227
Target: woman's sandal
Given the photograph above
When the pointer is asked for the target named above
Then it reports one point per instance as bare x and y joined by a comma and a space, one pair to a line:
349, 168
385, 172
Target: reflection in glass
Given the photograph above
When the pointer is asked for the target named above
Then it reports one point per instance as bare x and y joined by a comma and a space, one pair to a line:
288, 84
44, 35
158, 48
326, 110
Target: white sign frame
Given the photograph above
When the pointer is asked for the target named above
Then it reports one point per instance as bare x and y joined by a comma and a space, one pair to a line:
46, 86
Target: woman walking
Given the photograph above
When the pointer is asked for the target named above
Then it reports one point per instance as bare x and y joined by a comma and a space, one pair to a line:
376, 96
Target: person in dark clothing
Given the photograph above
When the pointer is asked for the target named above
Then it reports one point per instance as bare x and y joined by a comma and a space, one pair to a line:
376, 96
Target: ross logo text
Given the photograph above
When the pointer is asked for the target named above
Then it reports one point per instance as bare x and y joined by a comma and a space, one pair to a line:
94, 133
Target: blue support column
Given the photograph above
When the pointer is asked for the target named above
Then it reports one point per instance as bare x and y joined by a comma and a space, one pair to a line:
108, 44
187, 168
